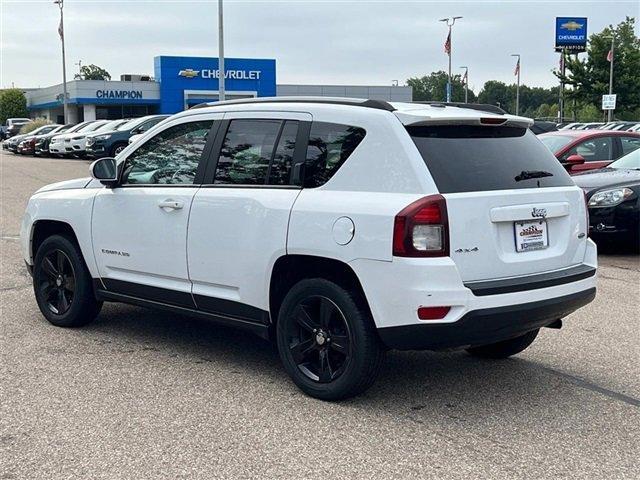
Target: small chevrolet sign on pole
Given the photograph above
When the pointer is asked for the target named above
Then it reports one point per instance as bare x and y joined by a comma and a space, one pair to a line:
609, 102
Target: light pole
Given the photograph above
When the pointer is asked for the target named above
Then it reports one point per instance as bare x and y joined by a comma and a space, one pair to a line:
65, 107
611, 57
517, 72
466, 84
450, 22
221, 93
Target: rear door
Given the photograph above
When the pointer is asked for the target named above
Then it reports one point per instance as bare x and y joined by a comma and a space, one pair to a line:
512, 209
239, 218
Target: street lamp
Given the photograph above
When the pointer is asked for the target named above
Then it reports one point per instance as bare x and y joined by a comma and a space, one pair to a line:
450, 22
221, 93
65, 107
517, 72
466, 84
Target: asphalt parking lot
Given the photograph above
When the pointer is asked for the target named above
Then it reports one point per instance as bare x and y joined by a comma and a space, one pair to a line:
147, 394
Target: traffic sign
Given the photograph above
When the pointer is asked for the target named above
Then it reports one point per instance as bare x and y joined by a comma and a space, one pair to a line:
609, 102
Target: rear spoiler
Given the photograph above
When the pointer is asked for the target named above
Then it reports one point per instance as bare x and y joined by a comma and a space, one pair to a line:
483, 107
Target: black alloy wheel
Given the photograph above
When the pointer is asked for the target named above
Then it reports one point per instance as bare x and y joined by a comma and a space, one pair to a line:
58, 285
62, 283
327, 339
321, 343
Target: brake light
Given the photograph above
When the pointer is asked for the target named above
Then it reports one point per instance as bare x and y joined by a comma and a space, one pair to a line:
421, 229
492, 121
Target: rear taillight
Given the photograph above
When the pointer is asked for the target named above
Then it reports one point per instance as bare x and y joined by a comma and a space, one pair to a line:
421, 229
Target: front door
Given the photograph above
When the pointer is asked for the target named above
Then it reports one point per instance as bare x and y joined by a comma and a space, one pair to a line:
139, 228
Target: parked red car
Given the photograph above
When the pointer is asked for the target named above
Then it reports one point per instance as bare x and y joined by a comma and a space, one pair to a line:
581, 150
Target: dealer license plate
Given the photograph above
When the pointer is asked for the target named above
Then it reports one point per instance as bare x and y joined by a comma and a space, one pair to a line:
531, 235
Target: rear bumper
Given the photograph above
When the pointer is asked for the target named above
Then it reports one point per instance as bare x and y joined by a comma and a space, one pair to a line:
481, 327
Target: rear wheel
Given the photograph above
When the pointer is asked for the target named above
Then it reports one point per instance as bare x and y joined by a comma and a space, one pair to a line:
327, 340
62, 284
506, 348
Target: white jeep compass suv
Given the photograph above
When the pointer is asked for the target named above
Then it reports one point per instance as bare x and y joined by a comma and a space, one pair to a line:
338, 227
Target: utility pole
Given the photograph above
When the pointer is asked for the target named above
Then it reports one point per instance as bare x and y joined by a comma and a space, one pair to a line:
561, 92
466, 84
79, 64
221, 70
450, 22
65, 106
611, 54
517, 72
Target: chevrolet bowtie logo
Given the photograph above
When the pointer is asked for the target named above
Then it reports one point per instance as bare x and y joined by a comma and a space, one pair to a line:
572, 25
188, 73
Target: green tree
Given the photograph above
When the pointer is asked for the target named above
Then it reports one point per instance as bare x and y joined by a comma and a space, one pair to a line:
92, 72
589, 77
498, 93
589, 113
13, 103
433, 87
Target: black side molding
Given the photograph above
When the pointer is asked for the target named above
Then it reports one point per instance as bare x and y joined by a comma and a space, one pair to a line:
531, 282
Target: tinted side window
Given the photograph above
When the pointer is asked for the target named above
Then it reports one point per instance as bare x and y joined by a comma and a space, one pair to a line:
246, 152
629, 144
593, 150
171, 157
330, 144
280, 171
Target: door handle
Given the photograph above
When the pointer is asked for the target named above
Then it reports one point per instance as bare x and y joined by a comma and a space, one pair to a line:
171, 205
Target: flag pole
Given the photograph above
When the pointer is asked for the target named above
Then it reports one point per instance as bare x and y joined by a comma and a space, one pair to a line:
610, 112
221, 70
466, 84
65, 106
450, 22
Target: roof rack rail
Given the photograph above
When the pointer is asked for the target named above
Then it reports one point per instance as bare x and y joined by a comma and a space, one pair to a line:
482, 107
356, 102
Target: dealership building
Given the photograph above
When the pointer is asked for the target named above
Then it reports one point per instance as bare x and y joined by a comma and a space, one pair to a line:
181, 82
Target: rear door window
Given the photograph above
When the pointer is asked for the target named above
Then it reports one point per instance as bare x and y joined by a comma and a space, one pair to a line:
593, 150
629, 144
469, 158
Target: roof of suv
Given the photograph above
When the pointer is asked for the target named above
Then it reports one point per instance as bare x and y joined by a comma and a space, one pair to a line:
407, 113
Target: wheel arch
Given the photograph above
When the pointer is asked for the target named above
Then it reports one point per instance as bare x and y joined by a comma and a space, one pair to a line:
290, 269
42, 229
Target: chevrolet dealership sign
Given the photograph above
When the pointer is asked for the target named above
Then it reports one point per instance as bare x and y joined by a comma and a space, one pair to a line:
571, 34
229, 74
133, 94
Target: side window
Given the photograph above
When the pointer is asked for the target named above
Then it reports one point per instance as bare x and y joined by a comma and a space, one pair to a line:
171, 157
246, 152
280, 171
330, 144
147, 125
594, 149
629, 144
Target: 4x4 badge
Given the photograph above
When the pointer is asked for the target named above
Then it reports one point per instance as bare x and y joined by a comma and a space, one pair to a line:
539, 212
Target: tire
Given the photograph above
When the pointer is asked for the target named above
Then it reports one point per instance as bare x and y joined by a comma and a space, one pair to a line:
506, 348
59, 267
332, 356
117, 148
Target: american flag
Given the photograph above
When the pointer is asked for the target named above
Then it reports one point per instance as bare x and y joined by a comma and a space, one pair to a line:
464, 78
609, 56
447, 44
561, 64
61, 30
517, 70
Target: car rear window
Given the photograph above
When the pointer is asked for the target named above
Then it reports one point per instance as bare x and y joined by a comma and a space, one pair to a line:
469, 158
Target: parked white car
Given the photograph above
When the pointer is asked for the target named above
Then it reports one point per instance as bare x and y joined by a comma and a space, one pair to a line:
337, 227
57, 143
76, 143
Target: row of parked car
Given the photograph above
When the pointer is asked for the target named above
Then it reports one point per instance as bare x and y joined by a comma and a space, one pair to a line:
90, 139
620, 126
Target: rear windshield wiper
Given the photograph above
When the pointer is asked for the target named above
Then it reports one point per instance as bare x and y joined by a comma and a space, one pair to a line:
528, 174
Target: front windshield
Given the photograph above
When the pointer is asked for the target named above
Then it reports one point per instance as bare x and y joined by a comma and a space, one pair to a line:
91, 127
555, 143
631, 161
108, 127
77, 127
131, 124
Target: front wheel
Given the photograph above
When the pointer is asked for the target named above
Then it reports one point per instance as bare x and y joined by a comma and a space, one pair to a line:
117, 148
505, 348
327, 340
63, 285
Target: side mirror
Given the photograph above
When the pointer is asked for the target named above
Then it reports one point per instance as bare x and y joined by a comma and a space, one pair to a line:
575, 159
105, 170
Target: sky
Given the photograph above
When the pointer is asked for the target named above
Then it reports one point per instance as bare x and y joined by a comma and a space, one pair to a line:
314, 42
